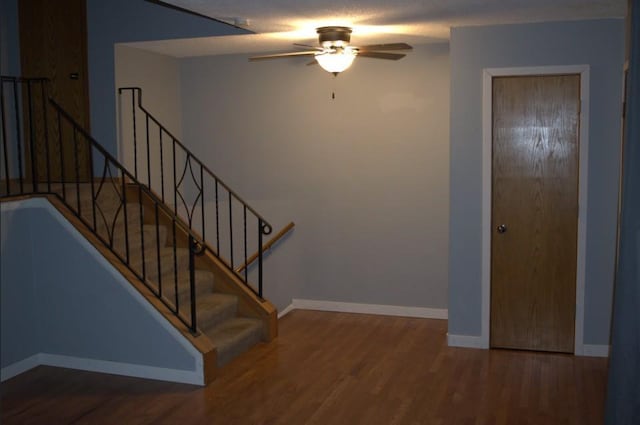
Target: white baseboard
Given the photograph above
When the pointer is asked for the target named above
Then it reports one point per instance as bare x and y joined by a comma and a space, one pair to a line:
102, 366
19, 367
592, 350
379, 309
470, 341
466, 341
286, 311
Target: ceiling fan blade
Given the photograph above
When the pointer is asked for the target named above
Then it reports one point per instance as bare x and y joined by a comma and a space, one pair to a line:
308, 46
391, 46
313, 62
281, 55
382, 55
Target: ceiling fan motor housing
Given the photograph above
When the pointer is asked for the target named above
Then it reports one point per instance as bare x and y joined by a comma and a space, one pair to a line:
334, 36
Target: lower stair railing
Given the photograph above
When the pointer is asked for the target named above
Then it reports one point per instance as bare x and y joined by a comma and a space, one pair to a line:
45, 151
230, 228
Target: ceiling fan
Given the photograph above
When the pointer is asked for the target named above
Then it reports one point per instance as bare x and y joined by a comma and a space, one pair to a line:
335, 54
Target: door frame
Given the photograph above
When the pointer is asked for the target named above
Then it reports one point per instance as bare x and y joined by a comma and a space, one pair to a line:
487, 170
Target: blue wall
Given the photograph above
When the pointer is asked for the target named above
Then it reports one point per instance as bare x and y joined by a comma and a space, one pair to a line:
9, 38
623, 390
598, 43
118, 21
59, 296
18, 312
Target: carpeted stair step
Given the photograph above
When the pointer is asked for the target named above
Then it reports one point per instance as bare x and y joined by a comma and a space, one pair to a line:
235, 336
135, 239
204, 283
112, 221
204, 286
105, 197
166, 263
215, 308
151, 241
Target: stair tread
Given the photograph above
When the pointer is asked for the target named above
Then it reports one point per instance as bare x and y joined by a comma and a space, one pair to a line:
166, 257
215, 300
203, 278
149, 229
204, 287
214, 308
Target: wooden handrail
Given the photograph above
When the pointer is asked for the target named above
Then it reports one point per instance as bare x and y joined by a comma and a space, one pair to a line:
266, 246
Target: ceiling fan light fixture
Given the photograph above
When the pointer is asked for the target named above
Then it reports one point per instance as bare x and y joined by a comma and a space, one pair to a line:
336, 61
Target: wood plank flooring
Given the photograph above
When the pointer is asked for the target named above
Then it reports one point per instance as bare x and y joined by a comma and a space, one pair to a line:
333, 368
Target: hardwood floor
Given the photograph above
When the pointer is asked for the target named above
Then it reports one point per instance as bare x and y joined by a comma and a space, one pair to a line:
333, 368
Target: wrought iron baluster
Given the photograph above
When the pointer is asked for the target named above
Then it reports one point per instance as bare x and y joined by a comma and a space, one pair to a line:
93, 190
144, 274
62, 174
77, 164
204, 235
192, 282
175, 186
32, 153
161, 166
46, 134
231, 228
5, 142
246, 269
175, 267
148, 152
159, 262
126, 221
260, 230
217, 220
135, 136
18, 134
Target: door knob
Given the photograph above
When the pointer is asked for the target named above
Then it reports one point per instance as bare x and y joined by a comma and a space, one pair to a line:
74, 76
501, 228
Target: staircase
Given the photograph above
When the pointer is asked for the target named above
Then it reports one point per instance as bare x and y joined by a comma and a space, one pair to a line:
163, 254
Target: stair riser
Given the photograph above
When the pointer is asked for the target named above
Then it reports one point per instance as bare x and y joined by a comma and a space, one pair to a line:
151, 244
184, 289
168, 256
208, 319
247, 341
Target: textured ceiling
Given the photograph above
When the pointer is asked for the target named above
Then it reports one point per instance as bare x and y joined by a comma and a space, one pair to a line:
278, 23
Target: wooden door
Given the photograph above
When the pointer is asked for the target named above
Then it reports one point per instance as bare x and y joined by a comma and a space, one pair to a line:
534, 211
53, 44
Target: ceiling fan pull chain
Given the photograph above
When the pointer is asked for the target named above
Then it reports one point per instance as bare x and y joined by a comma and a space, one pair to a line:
333, 90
